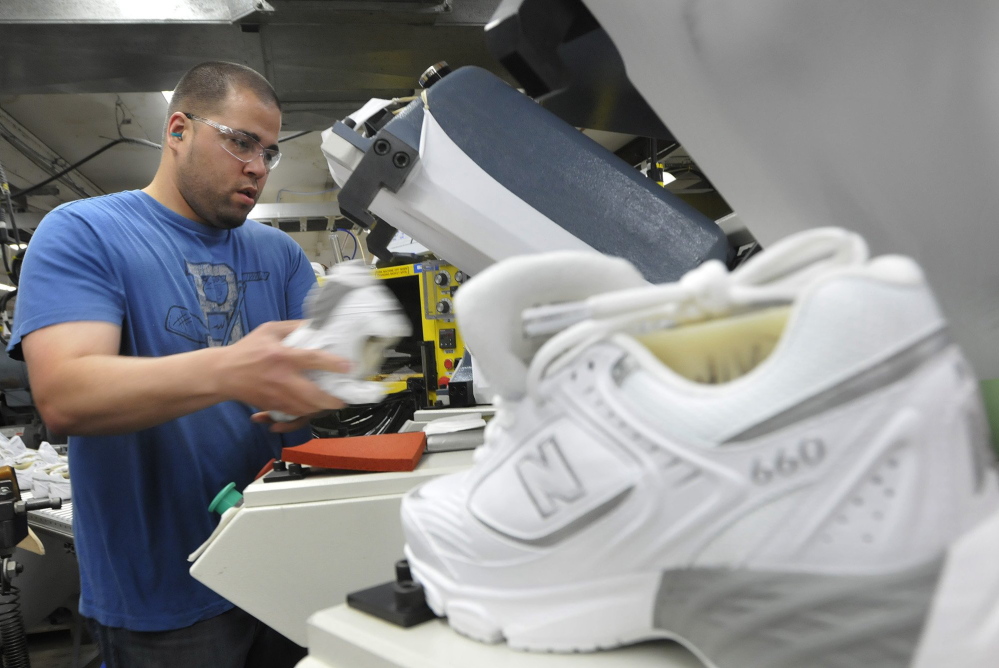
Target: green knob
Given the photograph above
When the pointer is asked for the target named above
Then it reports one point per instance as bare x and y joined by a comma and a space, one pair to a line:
225, 499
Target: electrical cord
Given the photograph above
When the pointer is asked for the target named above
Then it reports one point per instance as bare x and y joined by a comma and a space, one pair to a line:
112, 143
294, 136
120, 106
302, 192
357, 245
367, 420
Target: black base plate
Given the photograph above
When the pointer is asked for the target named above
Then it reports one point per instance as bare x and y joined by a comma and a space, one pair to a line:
398, 603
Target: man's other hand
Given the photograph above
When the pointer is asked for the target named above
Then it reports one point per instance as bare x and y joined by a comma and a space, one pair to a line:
264, 417
260, 371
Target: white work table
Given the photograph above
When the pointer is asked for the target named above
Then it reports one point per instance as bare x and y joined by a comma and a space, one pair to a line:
341, 637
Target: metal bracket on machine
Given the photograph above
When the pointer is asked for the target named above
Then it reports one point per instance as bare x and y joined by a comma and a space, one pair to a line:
564, 59
387, 162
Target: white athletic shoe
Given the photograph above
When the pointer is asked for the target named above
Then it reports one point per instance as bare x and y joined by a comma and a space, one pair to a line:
767, 465
352, 315
52, 481
27, 462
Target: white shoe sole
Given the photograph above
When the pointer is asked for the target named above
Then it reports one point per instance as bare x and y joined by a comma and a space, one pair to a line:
753, 619
581, 618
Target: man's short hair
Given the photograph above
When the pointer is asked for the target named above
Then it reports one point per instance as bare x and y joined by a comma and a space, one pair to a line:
205, 87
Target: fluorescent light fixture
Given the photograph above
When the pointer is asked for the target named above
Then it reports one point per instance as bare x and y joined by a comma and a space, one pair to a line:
22, 246
7, 288
167, 95
12, 246
668, 178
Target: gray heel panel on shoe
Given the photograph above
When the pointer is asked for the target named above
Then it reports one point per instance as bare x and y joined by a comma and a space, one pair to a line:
755, 619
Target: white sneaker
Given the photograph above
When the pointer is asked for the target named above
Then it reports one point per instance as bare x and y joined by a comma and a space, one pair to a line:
768, 465
52, 481
10, 448
354, 316
27, 462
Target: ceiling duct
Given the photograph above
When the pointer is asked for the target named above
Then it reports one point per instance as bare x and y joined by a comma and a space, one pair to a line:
325, 58
115, 11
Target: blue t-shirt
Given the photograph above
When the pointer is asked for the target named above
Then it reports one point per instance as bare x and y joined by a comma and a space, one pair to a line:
140, 500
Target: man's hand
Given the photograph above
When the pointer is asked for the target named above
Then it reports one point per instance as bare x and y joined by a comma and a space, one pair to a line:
260, 371
264, 417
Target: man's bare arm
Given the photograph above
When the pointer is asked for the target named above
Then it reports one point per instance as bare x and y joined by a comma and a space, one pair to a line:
81, 385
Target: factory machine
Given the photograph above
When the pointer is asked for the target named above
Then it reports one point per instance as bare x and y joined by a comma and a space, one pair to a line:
475, 171
801, 118
426, 290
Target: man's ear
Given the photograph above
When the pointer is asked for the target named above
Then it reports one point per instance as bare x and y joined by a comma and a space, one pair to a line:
176, 125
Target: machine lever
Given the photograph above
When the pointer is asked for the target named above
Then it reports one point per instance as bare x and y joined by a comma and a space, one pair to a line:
55, 503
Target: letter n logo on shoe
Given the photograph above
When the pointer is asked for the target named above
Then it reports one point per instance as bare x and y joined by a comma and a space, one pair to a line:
556, 484
548, 478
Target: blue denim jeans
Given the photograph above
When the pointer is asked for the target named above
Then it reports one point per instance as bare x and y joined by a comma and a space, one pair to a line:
233, 639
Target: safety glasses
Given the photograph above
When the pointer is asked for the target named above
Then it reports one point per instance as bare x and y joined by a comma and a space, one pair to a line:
240, 145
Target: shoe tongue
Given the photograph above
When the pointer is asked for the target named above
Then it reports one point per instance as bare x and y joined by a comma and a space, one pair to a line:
491, 304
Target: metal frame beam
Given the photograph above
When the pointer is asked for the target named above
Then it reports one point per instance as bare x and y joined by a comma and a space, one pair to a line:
43, 157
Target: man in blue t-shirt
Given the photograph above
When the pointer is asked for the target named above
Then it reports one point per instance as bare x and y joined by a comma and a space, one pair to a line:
151, 325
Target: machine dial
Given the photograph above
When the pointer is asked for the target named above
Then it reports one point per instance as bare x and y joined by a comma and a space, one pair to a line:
459, 277
442, 278
444, 306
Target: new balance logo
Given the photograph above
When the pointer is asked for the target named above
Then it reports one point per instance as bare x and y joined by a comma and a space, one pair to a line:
548, 479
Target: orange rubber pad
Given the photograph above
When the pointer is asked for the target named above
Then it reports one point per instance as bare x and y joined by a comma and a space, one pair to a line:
386, 452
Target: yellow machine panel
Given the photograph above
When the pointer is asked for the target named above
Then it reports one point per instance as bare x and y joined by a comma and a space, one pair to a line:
426, 291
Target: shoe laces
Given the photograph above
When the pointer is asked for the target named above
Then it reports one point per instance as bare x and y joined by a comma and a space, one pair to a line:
24, 459
497, 428
776, 276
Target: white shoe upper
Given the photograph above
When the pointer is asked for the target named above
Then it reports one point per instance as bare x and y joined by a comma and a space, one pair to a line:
851, 441
354, 316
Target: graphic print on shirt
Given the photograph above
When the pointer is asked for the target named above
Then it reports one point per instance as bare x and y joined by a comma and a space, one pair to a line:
220, 296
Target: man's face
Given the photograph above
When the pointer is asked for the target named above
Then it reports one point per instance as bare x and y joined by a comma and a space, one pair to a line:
218, 187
